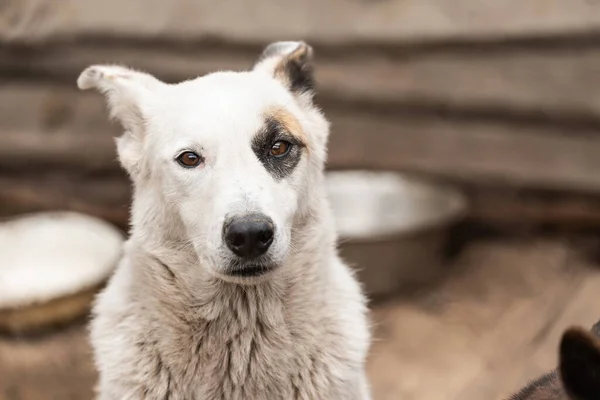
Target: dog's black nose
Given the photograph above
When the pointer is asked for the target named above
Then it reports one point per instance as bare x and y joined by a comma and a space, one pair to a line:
250, 235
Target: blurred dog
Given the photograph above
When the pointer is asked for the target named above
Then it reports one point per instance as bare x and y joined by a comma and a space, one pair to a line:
578, 374
230, 286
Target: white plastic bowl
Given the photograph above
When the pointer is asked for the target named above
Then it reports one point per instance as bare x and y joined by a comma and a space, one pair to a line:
46, 258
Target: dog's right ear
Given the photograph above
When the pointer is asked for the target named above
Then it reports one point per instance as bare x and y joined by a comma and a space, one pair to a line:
127, 92
580, 364
291, 63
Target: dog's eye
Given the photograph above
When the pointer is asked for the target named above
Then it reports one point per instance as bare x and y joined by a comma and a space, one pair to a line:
280, 148
189, 159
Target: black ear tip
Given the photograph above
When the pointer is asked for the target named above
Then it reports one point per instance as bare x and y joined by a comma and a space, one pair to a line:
575, 340
292, 65
580, 363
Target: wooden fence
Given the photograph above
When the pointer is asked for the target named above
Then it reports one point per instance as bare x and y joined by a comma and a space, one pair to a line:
500, 98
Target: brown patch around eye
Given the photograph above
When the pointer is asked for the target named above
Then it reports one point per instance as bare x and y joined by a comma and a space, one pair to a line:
288, 122
280, 143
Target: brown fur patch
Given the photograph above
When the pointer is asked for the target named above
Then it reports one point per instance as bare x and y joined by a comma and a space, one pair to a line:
289, 122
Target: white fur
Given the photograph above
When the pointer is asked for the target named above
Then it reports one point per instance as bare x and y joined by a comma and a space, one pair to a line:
171, 324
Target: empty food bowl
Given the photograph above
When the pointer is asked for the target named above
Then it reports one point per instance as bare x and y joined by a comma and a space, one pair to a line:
392, 227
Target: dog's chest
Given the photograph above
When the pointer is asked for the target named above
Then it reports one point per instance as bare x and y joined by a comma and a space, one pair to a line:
254, 351
267, 364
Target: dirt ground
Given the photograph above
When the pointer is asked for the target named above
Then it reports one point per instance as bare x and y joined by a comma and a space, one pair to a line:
480, 334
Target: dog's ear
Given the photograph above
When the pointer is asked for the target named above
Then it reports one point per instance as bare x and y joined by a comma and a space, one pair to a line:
580, 364
127, 91
291, 63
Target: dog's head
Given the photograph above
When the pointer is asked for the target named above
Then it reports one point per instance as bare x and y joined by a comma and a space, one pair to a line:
578, 374
231, 154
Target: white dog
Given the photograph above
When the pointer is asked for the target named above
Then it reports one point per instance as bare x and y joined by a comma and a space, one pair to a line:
230, 286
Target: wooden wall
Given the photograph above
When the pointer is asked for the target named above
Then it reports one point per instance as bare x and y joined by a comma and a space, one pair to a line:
501, 99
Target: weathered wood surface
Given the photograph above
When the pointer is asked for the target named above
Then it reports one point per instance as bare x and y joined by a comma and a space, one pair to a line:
106, 197
544, 80
515, 122
481, 334
332, 21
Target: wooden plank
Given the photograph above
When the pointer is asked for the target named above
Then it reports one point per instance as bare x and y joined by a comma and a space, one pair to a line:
472, 151
264, 20
551, 81
106, 197
503, 205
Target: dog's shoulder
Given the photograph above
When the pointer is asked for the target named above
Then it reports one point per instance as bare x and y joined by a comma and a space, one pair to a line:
122, 336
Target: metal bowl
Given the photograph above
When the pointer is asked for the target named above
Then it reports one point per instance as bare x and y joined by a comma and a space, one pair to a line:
392, 227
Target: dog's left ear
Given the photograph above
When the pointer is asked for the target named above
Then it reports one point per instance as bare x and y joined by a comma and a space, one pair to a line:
291, 63
580, 364
127, 93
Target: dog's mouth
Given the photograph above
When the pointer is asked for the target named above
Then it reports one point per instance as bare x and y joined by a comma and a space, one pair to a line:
249, 270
